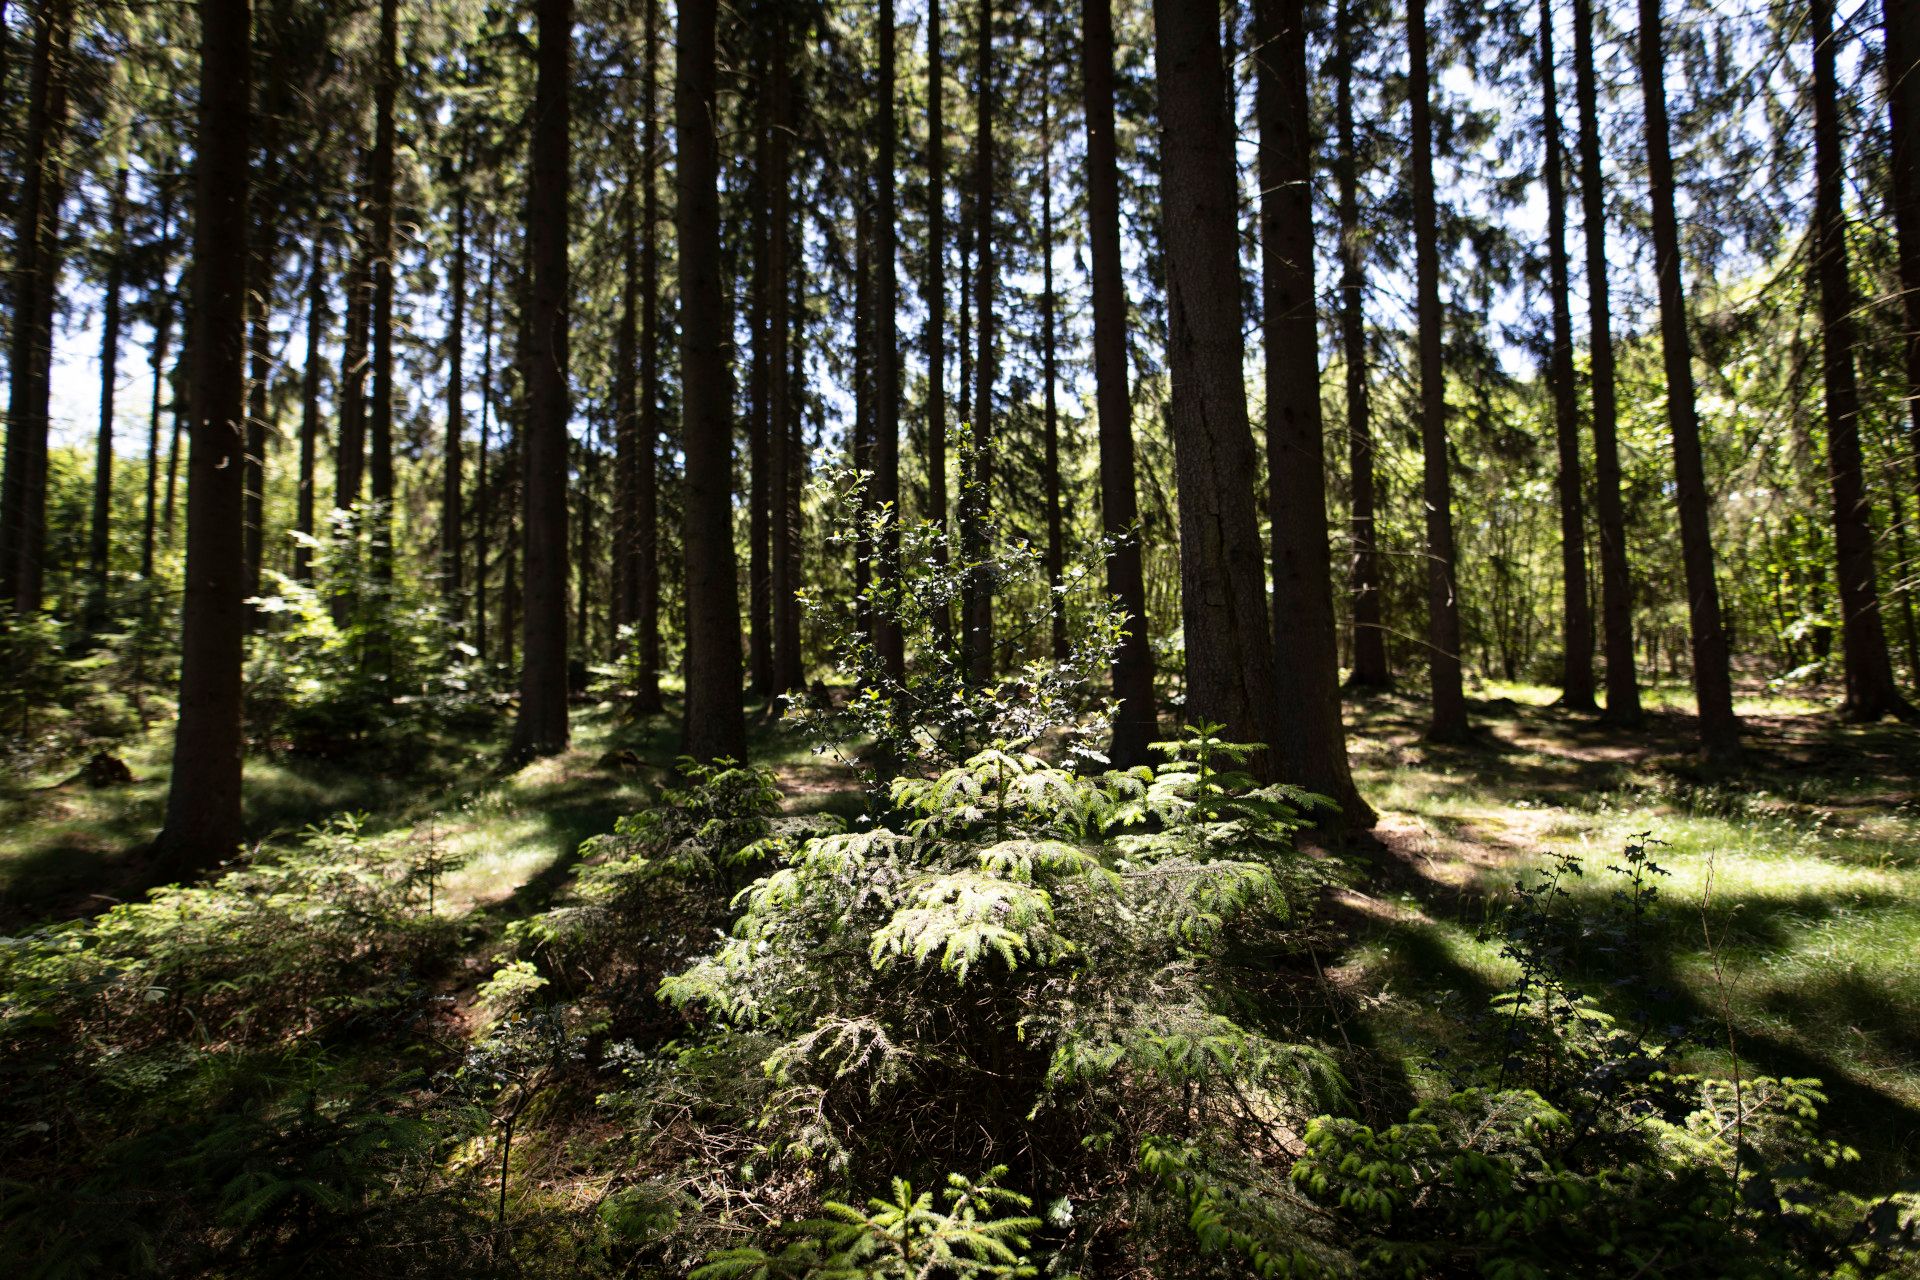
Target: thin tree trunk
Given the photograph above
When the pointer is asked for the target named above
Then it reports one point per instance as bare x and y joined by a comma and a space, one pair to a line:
99, 539
1230, 677
626, 405
1576, 667
182, 407
1135, 721
36, 270
780, 388
1049, 372
1871, 691
760, 289
583, 560
888, 639
1616, 584
482, 488
203, 822
157, 358
1712, 676
260, 357
452, 532
1311, 745
714, 724
646, 537
863, 408
787, 636
380, 420
977, 497
1900, 22
542, 725
350, 457
936, 331
310, 409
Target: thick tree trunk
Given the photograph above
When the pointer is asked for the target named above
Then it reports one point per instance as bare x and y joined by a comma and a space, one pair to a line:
452, 517
1448, 722
35, 270
1900, 23
310, 410
203, 823
1311, 745
1576, 667
1871, 691
760, 291
977, 497
1616, 584
1135, 722
542, 725
380, 177
646, 533
1370, 666
780, 387
886, 354
1712, 676
99, 534
936, 331
714, 724
1230, 679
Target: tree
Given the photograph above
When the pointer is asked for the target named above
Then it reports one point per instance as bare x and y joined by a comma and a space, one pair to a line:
1230, 668
714, 725
203, 822
542, 726
646, 533
976, 496
310, 408
1616, 585
1576, 659
886, 353
380, 262
1900, 24
1871, 691
99, 538
1050, 372
452, 517
1311, 745
936, 290
1712, 677
1135, 721
781, 392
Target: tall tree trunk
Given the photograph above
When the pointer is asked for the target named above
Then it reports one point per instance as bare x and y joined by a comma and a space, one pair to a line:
1230, 678
36, 270
1616, 584
1370, 666
936, 331
203, 823
646, 536
760, 291
1448, 721
350, 452
1900, 23
1712, 676
452, 532
99, 538
863, 408
780, 388
714, 724
182, 407
977, 497
1049, 370
482, 487
260, 364
626, 404
1135, 722
886, 354
1576, 667
380, 420
1311, 745
157, 359
310, 409
542, 726
793, 476
1871, 691
583, 559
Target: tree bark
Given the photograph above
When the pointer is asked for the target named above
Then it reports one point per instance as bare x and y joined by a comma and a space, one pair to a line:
780, 387
1311, 745
157, 359
1230, 677
203, 822
1049, 374
714, 724
977, 497
936, 331
888, 639
542, 725
380, 420
1448, 715
99, 538
1712, 676
1871, 691
1370, 666
452, 517
310, 409
646, 535
1616, 583
350, 453
482, 487
260, 273
1576, 667
1900, 23
1135, 723
760, 288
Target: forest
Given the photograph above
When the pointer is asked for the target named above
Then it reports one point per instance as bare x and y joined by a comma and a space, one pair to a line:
943, 639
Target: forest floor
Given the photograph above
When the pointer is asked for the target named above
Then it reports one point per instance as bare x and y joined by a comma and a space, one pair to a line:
1788, 927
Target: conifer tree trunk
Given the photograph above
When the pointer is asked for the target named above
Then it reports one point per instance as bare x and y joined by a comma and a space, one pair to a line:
1900, 23
1230, 676
542, 725
1576, 666
977, 498
452, 517
1448, 715
157, 359
259, 306
1049, 377
380, 420
99, 534
1311, 745
714, 725
646, 535
350, 452
1135, 722
888, 639
1370, 667
787, 636
35, 271
1712, 676
626, 405
1871, 691
1616, 585
936, 299
310, 409
862, 443
482, 486
760, 289
203, 822
780, 388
